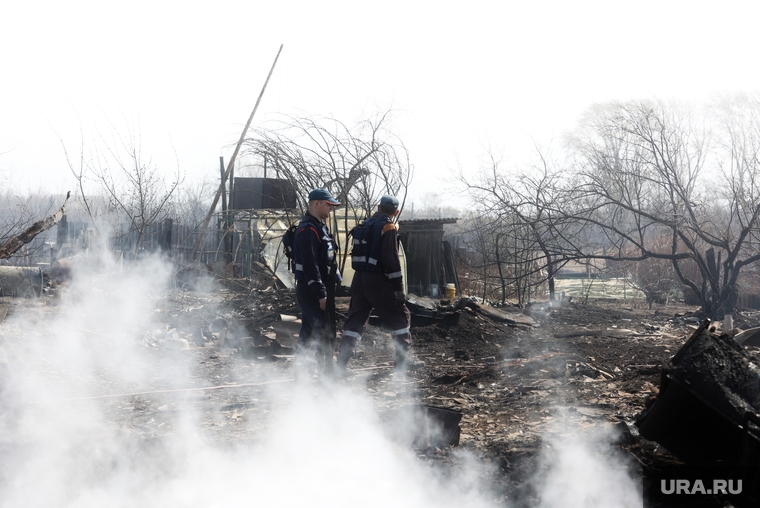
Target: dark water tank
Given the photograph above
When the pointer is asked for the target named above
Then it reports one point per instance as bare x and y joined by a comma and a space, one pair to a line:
262, 193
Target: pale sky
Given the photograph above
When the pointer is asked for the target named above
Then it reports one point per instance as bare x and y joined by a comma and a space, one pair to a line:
462, 76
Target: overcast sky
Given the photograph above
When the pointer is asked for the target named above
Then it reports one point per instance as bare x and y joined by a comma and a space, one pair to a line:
462, 76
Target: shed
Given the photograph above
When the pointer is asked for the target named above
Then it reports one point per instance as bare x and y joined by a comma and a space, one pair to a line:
262, 193
429, 259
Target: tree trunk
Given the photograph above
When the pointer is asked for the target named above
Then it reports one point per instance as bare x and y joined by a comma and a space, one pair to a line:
137, 242
550, 276
502, 279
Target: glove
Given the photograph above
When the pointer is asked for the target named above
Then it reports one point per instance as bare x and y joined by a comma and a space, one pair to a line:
400, 297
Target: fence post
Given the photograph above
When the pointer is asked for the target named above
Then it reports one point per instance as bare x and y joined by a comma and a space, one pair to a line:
165, 241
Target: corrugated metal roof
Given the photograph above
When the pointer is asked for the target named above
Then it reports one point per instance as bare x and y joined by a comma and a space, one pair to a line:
449, 220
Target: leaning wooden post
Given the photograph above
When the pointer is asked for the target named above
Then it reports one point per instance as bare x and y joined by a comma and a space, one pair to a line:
232, 162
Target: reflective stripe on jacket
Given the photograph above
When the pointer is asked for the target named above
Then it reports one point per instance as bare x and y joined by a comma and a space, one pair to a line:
314, 254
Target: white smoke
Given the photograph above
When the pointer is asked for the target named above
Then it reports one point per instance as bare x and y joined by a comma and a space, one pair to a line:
62, 446
580, 469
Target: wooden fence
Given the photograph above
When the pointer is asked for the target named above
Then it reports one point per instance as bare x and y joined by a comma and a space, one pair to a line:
249, 235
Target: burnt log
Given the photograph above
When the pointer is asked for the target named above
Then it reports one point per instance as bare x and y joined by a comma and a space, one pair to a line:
14, 244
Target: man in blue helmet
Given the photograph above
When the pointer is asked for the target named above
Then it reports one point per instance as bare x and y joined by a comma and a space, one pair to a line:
378, 284
316, 271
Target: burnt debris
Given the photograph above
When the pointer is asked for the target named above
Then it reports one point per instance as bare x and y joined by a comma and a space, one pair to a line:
706, 412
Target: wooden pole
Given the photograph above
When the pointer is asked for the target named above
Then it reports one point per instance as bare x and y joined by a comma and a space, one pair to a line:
232, 162
226, 223
223, 187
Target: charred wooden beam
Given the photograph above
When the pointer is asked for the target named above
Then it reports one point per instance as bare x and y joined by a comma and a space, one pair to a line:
14, 244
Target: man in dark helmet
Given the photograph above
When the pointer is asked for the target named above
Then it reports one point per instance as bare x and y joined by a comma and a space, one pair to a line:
377, 284
316, 270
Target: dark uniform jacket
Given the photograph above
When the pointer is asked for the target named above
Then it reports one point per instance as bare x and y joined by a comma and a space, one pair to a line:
314, 254
389, 261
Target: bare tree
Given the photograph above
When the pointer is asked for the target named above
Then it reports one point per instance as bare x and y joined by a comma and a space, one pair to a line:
134, 186
191, 202
641, 172
356, 164
655, 278
114, 179
524, 205
79, 169
477, 267
647, 169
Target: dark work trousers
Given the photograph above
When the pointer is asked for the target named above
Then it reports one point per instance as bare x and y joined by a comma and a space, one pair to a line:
313, 319
316, 335
370, 290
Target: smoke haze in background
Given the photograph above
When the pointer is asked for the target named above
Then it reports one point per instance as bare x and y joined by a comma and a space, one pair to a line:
322, 447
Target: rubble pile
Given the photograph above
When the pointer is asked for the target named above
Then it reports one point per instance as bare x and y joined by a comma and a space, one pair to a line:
510, 376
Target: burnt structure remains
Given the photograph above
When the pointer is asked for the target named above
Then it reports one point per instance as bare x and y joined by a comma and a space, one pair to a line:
429, 259
706, 414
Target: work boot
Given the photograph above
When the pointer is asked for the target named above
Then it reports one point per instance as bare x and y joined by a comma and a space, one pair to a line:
404, 361
341, 365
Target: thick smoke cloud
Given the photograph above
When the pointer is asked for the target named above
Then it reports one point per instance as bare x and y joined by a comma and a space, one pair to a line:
62, 445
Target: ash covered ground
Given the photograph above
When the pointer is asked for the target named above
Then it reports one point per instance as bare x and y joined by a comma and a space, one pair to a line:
166, 405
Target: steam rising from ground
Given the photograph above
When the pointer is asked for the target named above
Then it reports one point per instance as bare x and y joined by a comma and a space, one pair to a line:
580, 470
324, 446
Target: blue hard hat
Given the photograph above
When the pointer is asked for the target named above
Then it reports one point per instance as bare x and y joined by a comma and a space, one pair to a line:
322, 194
